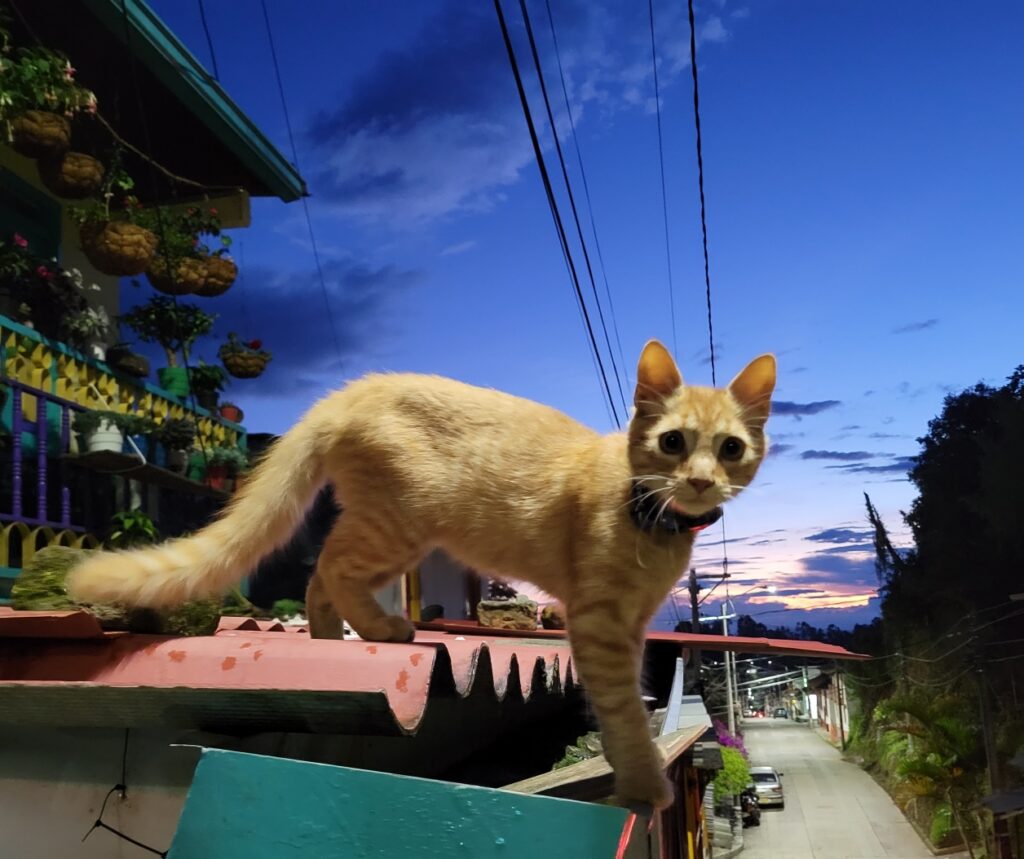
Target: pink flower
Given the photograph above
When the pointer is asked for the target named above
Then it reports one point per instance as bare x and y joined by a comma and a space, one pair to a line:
44, 272
69, 72
20, 240
213, 211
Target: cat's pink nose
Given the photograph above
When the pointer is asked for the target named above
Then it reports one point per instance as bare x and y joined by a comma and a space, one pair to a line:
698, 484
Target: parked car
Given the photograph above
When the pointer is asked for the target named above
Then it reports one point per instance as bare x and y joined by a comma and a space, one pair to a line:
768, 784
781, 713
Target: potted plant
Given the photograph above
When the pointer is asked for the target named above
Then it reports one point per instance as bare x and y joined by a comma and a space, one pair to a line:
40, 94
121, 357
115, 231
221, 270
87, 330
243, 360
71, 175
130, 529
99, 431
206, 382
138, 431
174, 326
178, 268
230, 412
178, 435
223, 464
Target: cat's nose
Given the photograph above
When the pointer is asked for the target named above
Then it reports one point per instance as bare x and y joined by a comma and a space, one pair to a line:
699, 484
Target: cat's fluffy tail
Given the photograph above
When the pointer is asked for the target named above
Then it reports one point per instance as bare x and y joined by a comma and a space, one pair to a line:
261, 517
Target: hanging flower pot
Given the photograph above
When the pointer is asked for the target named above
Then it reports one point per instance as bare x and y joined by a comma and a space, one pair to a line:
117, 248
221, 272
40, 134
243, 360
73, 175
186, 275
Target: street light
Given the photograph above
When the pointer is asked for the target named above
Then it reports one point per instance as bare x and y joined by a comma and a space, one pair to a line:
731, 681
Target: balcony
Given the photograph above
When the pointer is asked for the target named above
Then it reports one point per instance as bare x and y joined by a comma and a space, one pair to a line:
51, 493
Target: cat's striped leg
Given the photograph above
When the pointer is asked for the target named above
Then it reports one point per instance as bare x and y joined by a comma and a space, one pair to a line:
359, 557
607, 654
324, 620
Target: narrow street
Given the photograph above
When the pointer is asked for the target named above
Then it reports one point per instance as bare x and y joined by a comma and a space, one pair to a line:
834, 810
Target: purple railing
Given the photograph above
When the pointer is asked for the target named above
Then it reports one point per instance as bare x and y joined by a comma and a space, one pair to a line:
40, 428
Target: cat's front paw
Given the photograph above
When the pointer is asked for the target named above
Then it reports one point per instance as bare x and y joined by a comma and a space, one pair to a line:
644, 793
390, 628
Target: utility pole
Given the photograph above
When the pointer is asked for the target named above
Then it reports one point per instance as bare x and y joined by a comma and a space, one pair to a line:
728, 673
694, 589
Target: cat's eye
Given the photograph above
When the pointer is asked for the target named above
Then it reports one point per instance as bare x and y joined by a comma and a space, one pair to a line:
732, 449
672, 443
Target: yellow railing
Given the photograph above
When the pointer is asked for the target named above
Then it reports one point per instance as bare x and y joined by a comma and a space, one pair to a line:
30, 539
56, 369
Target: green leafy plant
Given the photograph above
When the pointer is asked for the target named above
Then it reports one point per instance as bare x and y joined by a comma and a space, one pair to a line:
234, 346
37, 78
174, 325
114, 200
86, 423
131, 528
734, 776
52, 297
207, 378
204, 221
176, 434
284, 609
234, 459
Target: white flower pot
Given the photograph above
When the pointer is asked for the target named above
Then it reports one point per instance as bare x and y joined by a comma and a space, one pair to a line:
106, 437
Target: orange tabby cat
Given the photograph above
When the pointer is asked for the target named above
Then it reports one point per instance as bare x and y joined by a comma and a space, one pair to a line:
603, 523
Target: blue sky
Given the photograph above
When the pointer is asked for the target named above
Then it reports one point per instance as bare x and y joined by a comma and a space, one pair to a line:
863, 179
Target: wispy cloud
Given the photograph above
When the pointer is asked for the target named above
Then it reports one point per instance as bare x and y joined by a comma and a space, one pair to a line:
841, 455
901, 464
434, 126
785, 408
840, 535
910, 327
290, 315
458, 248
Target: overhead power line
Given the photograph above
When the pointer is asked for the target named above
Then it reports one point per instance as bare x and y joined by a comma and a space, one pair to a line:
586, 195
664, 193
700, 185
553, 206
305, 203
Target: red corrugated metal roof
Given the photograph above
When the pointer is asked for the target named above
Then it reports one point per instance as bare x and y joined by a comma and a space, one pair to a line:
733, 643
270, 672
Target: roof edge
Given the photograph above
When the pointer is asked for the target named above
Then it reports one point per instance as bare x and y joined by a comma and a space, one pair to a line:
156, 46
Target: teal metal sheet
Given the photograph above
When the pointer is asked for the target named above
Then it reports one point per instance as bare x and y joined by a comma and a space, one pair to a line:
244, 806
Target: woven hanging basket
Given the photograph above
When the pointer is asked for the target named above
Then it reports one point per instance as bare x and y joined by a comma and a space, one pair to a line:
73, 175
220, 276
40, 134
244, 365
117, 247
186, 276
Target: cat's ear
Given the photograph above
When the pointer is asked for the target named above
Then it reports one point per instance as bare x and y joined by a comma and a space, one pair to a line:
657, 375
753, 387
